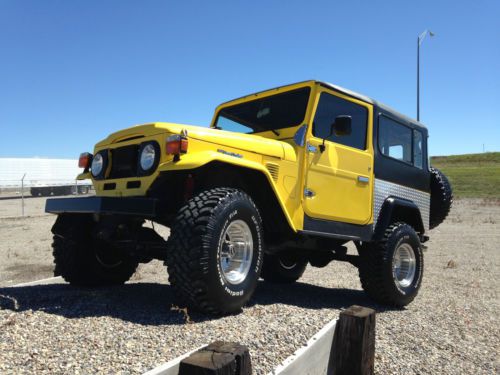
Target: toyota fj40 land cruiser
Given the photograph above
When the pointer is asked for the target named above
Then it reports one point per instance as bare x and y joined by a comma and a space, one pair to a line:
282, 178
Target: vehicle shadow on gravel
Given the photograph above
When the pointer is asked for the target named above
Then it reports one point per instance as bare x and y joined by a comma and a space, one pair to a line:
139, 303
312, 296
151, 304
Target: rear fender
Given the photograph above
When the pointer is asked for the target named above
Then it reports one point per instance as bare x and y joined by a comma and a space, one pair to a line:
398, 209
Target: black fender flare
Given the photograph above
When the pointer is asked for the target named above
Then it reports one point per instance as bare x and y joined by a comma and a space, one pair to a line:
396, 209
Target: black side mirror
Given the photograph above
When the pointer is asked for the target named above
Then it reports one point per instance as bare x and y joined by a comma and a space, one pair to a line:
342, 126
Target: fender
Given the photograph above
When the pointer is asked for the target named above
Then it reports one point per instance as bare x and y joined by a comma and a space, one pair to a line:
398, 209
199, 159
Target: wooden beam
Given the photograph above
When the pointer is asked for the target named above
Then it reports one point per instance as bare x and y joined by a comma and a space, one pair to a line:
218, 358
353, 348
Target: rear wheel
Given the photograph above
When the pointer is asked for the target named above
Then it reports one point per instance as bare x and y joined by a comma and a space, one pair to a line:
391, 270
215, 251
82, 260
283, 268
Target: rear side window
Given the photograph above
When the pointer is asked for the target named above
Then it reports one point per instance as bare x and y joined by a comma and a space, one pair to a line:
418, 155
395, 140
329, 107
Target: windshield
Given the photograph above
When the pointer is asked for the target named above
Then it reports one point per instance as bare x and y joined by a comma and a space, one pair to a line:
270, 113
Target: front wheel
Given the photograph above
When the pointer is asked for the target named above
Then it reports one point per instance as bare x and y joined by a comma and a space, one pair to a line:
391, 270
215, 251
84, 261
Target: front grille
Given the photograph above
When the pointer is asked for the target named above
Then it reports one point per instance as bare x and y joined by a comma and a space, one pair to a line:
124, 161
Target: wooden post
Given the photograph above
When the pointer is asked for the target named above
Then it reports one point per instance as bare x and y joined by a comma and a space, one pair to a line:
218, 358
353, 347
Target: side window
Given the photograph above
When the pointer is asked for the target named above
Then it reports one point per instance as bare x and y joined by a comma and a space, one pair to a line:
418, 160
329, 107
395, 140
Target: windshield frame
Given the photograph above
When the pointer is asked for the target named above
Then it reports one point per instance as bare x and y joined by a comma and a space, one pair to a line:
257, 128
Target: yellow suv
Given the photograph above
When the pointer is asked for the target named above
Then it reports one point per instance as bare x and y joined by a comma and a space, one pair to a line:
281, 179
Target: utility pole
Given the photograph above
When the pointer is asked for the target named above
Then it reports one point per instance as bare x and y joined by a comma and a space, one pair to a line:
420, 39
22, 194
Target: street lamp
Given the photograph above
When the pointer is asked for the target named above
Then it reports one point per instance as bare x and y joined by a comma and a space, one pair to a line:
420, 39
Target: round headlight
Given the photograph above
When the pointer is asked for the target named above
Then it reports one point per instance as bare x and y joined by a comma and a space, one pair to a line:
147, 157
97, 164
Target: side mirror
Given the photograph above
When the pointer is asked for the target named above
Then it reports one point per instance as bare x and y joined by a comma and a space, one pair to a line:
342, 126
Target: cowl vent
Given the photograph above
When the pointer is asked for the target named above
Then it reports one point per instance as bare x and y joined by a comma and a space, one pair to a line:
274, 169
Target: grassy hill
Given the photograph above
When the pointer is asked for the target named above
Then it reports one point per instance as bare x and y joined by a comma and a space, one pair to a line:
472, 175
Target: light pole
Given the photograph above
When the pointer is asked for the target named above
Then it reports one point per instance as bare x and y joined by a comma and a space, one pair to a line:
420, 39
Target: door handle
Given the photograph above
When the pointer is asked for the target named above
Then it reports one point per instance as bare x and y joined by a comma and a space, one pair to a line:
363, 179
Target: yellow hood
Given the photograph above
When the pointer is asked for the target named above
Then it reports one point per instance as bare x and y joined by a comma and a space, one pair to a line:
247, 142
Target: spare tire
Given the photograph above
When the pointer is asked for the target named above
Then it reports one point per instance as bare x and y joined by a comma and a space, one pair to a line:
441, 197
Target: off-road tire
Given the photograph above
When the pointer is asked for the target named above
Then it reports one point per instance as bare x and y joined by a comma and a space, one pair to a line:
375, 268
194, 250
441, 198
282, 268
83, 261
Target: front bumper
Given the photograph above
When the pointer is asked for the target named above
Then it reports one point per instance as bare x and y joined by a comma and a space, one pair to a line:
134, 206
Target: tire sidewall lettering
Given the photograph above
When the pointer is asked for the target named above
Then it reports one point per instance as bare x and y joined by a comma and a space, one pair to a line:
246, 213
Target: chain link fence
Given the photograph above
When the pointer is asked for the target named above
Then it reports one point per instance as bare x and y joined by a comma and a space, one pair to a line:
23, 189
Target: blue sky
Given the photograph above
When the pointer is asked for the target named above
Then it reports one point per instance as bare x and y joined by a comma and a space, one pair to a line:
73, 71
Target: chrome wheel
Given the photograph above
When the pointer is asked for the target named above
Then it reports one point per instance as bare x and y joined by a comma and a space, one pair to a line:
107, 256
287, 264
107, 261
237, 252
404, 265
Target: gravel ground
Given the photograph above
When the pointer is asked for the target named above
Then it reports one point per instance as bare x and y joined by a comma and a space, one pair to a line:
451, 327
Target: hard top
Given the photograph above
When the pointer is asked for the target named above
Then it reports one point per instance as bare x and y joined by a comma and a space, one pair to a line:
386, 109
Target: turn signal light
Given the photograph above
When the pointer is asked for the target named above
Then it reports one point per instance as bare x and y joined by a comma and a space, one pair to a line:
177, 144
85, 160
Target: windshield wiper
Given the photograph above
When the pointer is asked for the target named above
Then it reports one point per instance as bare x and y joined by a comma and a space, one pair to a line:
262, 129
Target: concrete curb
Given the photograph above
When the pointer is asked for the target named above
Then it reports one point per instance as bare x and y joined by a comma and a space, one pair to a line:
49, 280
312, 358
171, 367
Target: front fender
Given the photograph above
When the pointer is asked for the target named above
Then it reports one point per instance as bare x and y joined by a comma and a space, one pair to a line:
199, 159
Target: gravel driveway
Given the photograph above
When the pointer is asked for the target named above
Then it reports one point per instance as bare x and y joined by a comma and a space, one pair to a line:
451, 327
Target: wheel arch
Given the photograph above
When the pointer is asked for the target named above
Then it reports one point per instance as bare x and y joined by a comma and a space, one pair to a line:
257, 184
252, 178
398, 209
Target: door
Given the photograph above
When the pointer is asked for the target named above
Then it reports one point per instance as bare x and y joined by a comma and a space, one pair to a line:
339, 179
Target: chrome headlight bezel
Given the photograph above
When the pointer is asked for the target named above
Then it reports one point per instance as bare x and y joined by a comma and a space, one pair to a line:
147, 157
99, 165
153, 149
